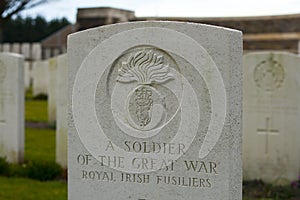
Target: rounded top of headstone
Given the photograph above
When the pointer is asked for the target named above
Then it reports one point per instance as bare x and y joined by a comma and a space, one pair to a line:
166, 24
9, 54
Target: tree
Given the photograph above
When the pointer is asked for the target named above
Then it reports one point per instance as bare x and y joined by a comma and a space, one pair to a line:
30, 29
9, 8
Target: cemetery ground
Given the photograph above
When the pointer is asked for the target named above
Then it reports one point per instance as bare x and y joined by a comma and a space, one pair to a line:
39, 178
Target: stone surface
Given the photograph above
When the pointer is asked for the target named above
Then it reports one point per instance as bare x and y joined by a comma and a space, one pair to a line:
25, 50
47, 53
56, 52
6, 47
62, 110
15, 48
52, 77
155, 112
12, 107
36, 51
27, 74
271, 117
40, 78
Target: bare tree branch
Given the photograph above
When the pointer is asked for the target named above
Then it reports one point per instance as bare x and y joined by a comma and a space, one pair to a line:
8, 8
14, 7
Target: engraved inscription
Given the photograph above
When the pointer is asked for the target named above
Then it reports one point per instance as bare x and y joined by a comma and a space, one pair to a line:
267, 131
269, 74
198, 169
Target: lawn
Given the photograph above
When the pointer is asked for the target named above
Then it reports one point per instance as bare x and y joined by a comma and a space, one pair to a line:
36, 111
40, 144
27, 189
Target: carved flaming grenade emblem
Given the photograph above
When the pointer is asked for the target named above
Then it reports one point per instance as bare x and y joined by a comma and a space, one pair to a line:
146, 68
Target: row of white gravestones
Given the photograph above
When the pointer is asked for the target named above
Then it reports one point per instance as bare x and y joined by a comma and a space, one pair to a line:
12, 107
50, 77
155, 112
12, 71
271, 116
30, 51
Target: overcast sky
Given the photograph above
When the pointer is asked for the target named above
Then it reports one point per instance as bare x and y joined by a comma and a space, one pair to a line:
180, 8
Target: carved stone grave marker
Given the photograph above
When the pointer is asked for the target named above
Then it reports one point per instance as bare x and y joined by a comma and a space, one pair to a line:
12, 107
155, 112
6, 47
25, 50
52, 89
62, 110
271, 108
40, 77
27, 74
36, 52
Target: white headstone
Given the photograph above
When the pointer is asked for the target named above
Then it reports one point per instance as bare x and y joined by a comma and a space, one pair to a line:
6, 47
27, 74
12, 107
47, 53
155, 112
36, 51
40, 77
52, 77
15, 48
271, 118
62, 110
56, 52
25, 50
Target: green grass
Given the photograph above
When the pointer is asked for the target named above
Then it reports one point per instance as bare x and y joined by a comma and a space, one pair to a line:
27, 189
28, 94
36, 111
40, 144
